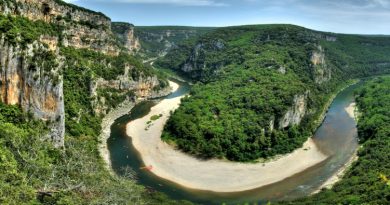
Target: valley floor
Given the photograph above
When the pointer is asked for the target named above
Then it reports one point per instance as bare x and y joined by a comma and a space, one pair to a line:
211, 175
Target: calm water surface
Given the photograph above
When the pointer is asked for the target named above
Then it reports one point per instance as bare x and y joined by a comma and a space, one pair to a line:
337, 136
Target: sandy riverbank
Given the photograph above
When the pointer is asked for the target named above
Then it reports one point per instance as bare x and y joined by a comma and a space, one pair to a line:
351, 110
211, 175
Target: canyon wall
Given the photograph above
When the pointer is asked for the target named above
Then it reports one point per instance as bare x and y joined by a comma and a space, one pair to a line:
126, 35
27, 80
82, 28
31, 74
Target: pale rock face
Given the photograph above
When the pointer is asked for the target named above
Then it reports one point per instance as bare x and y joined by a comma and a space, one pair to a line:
78, 32
296, 113
321, 72
282, 70
142, 87
271, 125
125, 33
192, 62
167, 37
39, 90
50, 41
33, 91
331, 38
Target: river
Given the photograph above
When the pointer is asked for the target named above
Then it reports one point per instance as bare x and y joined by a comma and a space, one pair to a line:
337, 137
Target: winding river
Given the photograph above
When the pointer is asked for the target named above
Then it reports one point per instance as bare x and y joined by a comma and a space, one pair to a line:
336, 137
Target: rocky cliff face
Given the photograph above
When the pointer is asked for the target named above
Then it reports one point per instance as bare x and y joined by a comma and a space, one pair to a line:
26, 80
125, 34
144, 87
82, 28
196, 61
158, 41
296, 113
32, 75
321, 72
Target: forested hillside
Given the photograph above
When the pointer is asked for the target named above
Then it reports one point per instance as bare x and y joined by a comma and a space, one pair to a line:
367, 182
45, 69
261, 89
156, 41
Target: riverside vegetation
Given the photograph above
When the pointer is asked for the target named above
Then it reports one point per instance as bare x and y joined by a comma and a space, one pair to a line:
33, 170
248, 78
250, 63
366, 182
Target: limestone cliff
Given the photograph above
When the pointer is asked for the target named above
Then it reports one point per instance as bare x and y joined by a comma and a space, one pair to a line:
82, 28
125, 34
296, 113
196, 61
157, 41
321, 72
27, 80
33, 62
143, 87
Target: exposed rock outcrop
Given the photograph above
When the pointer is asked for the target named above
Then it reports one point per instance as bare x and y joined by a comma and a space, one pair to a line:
158, 41
296, 113
197, 61
26, 80
125, 34
82, 28
321, 72
31, 75
143, 87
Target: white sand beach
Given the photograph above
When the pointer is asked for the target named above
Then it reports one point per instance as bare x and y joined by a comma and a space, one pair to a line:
351, 110
212, 175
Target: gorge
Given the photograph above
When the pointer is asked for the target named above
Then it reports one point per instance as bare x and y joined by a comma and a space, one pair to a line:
264, 118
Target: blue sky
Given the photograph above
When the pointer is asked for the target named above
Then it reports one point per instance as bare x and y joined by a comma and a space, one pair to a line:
341, 16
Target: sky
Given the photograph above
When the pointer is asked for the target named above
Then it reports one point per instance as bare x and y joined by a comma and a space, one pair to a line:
340, 16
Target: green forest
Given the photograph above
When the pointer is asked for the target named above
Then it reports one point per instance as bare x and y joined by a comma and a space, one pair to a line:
33, 170
244, 78
247, 78
156, 40
367, 181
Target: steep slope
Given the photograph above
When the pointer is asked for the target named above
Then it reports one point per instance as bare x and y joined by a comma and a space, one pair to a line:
367, 181
33, 38
126, 36
61, 71
263, 88
156, 41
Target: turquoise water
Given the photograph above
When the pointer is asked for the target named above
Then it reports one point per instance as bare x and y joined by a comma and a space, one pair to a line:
337, 136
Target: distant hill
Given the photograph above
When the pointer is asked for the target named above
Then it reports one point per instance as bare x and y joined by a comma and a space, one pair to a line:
156, 41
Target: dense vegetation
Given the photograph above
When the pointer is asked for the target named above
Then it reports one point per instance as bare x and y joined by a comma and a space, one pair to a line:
21, 31
213, 123
367, 181
33, 171
78, 8
81, 68
242, 89
248, 78
158, 40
